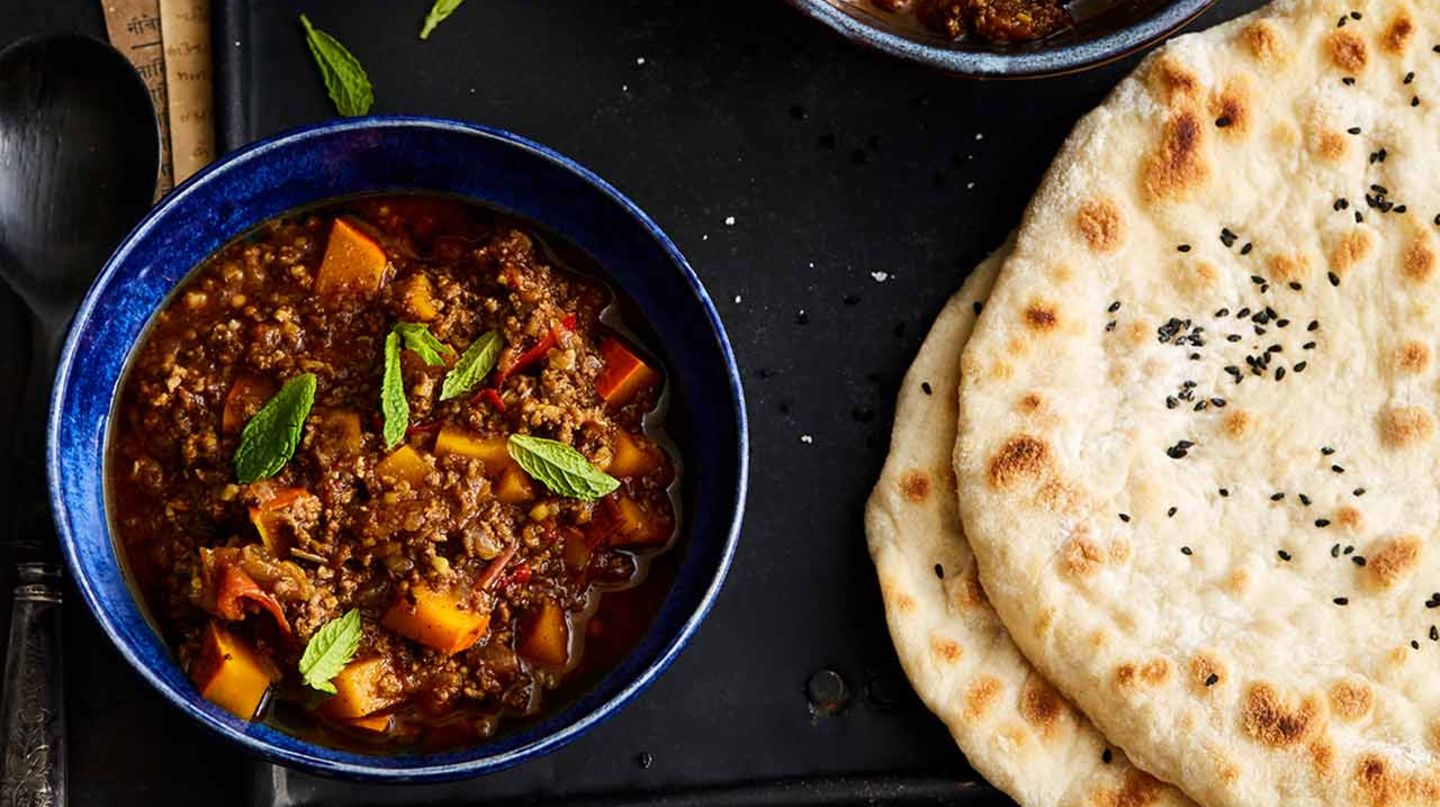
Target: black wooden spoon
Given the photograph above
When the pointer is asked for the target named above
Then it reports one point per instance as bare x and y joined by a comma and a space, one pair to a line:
79, 157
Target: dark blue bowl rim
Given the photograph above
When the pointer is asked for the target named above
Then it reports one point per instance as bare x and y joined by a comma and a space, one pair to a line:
1041, 61
321, 759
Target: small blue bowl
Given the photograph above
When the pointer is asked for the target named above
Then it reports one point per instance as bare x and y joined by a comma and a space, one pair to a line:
707, 413
1102, 33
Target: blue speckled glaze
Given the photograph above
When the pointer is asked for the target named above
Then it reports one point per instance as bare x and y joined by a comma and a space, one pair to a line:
398, 154
1066, 52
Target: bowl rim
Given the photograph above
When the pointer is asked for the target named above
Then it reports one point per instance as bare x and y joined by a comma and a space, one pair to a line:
322, 763
1038, 63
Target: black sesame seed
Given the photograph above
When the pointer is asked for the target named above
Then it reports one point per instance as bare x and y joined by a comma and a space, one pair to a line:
1337, 469
1125, 517
1106, 756
1218, 403
1183, 248
1279, 373
1170, 402
1327, 450
926, 388
1257, 280
1285, 556
1358, 560
1259, 331
1179, 450
1211, 680
1335, 551
1200, 407
1171, 512
1322, 523
1308, 346
1224, 312
1110, 326
1185, 550
1242, 313
1354, 130
1295, 285
1222, 121
940, 571
1300, 367
1414, 100
1399, 209
977, 306
1275, 497
1358, 491
1234, 337
1414, 644
1354, 15
1334, 279
1341, 204
1342, 600
1349, 549
1409, 77
1305, 500
1245, 250
1115, 306
1340, 23
1359, 219
1224, 493
1434, 634
1348, 81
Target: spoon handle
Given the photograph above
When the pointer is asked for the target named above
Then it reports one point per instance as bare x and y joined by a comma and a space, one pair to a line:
33, 714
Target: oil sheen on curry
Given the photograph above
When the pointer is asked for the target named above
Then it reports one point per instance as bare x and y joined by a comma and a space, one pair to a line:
388, 473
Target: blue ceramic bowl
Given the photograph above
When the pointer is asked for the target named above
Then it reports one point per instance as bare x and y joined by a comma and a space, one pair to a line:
707, 414
1103, 32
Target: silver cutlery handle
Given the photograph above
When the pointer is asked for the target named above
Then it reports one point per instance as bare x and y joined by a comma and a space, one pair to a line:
33, 715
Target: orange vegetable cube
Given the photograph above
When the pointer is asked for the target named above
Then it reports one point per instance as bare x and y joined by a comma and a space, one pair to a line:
272, 521
246, 395
624, 375
630, 523
404, 464
230, 673
357, 690
337, 432
545, 638
576, 550
353, 262
490, 450
417, 297
634, 456
373, 724
435, 619
514, 486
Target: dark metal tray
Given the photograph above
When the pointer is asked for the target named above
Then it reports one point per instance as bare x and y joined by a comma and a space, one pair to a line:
862, 190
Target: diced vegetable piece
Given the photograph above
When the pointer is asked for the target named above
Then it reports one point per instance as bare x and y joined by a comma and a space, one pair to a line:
436, 619
624, 376
357, 690
514, 487
490, 450
353, 262
246, 395
404, 464
630, 523
374, 724
238, 588
634, 456
576, 550
545, 638
337, 432
230, 673
271, 521
417, 297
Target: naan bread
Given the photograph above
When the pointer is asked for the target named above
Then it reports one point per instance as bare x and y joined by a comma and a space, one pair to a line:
1010, 723
1198, 459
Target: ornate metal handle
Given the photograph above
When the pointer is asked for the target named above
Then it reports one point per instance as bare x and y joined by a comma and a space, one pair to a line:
33, 716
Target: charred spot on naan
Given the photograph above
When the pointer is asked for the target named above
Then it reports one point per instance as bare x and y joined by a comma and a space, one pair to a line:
981, 695
1206, 673
915, 486
1172, 81
1264, 42
1270, 719
1404, 427
1291, 267
1398, 32
1139, 789
1177, 165
1351, 698
1417, 262
1101, 225
1396, 559
1041, 706
1152, 673
1412, 357
1350, 249
1322, 756
1380, 786
1042, 316
1346, 50
1021, 457
945, 649
1231, 107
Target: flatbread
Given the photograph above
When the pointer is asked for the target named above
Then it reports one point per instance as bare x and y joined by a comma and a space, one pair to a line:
1235, 580
1010, 723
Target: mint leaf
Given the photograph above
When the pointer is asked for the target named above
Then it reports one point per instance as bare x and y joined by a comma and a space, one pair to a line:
392, 394
474, 363
345, 77
269, 439
561, 468
437, 15
329, 650
418, 338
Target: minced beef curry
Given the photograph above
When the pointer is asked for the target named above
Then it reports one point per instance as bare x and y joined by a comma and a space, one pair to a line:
991, 20
373, 465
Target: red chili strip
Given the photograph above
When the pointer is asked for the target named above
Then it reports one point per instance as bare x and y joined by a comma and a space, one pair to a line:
546, 344
491, 396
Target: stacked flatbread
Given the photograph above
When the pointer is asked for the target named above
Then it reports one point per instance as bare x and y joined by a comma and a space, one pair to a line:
1196, 457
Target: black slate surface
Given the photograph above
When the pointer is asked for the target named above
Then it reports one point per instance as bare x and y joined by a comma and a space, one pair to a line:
840, 167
